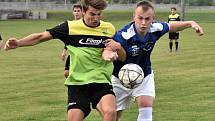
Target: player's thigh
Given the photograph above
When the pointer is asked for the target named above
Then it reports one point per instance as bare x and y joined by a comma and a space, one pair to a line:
123, 94
107, 104
102, 97
119, 90
147, 87
78, 98
75, 115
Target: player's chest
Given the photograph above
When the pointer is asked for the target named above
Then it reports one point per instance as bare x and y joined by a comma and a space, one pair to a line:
136, 46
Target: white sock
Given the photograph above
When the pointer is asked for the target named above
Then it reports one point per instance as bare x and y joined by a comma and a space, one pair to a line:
145, 114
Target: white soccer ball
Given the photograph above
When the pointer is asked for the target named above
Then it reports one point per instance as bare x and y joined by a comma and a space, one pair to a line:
131, 75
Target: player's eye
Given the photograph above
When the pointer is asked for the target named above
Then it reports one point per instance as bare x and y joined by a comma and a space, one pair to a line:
140, 18
147, 18
92, 14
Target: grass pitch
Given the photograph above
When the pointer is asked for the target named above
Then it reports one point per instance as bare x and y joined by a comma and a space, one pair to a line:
31, 81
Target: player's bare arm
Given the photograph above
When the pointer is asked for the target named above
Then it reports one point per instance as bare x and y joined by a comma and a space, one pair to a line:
30, 40
64, 54
115, 46
179, 26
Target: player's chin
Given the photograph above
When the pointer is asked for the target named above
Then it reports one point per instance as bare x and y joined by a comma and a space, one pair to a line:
143, 30
95, 24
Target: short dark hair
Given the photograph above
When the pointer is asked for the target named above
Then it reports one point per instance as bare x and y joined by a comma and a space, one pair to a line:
76, 6
174, 8
145, 5
97, 4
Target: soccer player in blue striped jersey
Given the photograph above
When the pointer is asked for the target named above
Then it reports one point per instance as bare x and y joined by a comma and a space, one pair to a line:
138, 39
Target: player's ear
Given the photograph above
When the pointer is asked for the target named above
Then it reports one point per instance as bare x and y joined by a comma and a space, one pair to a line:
83, 13
133, 16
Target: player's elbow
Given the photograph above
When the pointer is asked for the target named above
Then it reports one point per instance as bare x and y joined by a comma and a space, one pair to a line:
122, 56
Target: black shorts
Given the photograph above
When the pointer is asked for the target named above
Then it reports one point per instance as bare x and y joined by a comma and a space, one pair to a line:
82, 96
67, 63
174, 35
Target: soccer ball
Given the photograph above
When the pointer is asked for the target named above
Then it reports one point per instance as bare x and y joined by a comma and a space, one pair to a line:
131, 75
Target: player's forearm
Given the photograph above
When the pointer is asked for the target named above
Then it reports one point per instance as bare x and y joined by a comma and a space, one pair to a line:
121, 53
179, 26
33, 39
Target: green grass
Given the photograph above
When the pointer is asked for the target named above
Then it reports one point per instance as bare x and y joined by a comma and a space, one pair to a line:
31, 81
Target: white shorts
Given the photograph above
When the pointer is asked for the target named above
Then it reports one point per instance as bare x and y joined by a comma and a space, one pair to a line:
124, 95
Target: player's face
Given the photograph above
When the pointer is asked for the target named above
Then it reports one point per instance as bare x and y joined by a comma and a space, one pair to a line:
92, 16
77, 13
173, 11
143, 20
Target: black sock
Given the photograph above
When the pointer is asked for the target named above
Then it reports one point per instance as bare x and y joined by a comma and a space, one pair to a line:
170, 46
176, 45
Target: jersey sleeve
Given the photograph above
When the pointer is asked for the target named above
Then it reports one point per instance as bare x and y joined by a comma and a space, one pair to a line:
160, 28
118, 38
178, 18
60, 31
165, 29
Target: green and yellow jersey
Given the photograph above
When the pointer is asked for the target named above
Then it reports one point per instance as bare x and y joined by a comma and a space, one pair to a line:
85, 45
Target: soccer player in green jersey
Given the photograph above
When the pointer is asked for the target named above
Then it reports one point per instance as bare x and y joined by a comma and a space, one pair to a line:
90, 78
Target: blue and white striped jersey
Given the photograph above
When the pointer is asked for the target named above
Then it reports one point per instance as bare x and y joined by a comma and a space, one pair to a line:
138, 48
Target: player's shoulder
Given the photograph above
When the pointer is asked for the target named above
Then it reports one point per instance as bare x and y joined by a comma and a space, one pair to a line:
177, 15
128, 31
106, 24
158, 26
107, 27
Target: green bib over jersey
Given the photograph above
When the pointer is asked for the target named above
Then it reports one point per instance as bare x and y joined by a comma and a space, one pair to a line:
85, 49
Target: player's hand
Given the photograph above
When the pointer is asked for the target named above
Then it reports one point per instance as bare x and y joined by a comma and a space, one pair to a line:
63, 56
111, 44
109, 55
197, 28
110, 51
11, 43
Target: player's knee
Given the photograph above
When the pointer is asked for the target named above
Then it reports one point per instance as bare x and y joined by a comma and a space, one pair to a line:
145, 104
145, 101
111, 112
